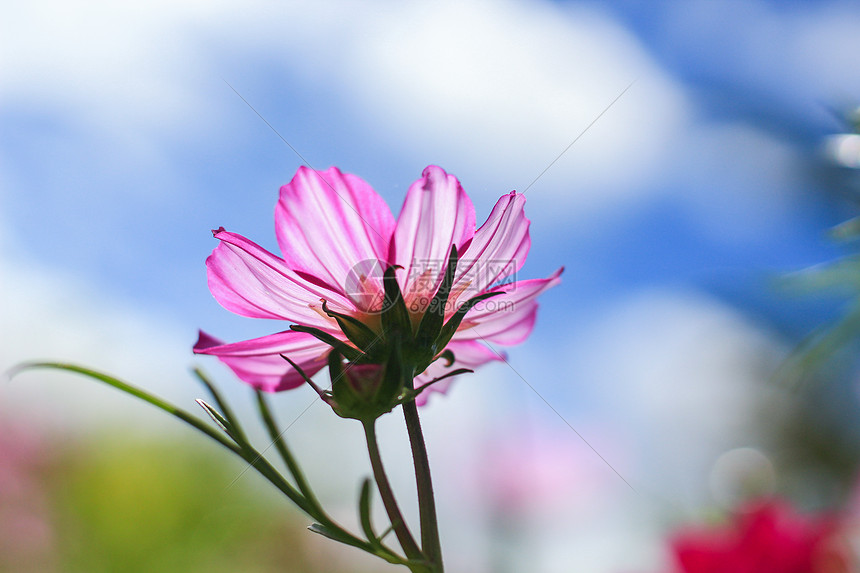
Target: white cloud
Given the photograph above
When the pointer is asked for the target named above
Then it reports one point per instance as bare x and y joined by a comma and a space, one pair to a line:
49, 315
502, 88
495, 89
107, 65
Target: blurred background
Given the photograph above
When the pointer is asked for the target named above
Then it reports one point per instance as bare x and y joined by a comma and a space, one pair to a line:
660, 385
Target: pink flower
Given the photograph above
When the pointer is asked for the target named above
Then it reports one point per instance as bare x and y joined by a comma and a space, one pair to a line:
337, 237
769, 537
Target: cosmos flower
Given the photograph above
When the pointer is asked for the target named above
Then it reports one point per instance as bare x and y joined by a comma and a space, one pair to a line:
338, 238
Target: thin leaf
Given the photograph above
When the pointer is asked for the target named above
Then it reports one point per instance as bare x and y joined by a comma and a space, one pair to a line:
842, 274
216, 416
254, 458
819, 346
222, 404
328, 532
364, 512
186, 417
380, 551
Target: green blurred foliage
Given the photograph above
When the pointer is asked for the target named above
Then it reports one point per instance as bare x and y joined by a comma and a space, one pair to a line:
133, 505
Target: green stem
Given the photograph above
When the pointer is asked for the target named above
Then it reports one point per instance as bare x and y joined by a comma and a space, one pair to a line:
404, 536
426, 501
241, 448
284, 451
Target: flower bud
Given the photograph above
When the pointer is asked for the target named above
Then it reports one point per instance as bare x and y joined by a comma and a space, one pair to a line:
364, 391
364, 379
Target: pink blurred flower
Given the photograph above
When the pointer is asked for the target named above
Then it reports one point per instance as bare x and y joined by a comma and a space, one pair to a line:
337, 236
769, 537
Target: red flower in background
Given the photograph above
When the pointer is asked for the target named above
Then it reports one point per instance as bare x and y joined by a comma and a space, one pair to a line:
769, 537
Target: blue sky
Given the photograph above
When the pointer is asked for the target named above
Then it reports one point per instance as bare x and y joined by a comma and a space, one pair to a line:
121, 146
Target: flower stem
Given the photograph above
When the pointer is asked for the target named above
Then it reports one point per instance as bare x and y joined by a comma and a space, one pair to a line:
404, 536
426, 501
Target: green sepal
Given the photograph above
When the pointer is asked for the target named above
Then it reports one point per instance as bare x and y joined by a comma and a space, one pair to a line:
434, 316
447, 355
395, 317
454, 322
341, 398
322, 394
365, 403
410, 395
345, 349
395, 375
356, 331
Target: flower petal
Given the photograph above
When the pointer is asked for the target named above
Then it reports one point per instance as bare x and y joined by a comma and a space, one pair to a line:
507, 318
327, 222
249, 280
258, 362
498, 249
436, 214
467, 354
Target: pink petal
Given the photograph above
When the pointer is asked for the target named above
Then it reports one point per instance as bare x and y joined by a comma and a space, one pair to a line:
436, 214
250, 281
507, 318
467, 354
327, 222
508, 326
258, 361
498, 249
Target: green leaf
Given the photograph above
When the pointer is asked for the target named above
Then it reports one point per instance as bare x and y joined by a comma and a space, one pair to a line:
842, 274
216, 416
330, 533
186, 417
247, 453
364, 513
819, 346
225, 407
